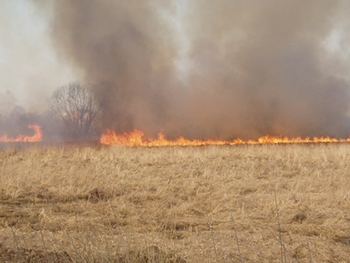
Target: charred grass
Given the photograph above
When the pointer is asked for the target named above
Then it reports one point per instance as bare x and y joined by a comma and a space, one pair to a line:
271, 203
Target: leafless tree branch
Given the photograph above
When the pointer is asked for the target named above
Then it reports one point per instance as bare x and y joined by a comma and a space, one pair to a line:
76, 106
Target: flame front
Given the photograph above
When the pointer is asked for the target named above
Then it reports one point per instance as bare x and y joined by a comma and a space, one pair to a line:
37, 137
137, 138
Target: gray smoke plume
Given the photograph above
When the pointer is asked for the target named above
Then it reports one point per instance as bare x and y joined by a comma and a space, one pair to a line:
251, 67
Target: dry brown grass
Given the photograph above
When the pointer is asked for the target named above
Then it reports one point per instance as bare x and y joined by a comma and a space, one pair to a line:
271, 203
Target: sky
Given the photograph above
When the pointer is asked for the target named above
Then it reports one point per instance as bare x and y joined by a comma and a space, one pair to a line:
198, 68
28, 62
29, 66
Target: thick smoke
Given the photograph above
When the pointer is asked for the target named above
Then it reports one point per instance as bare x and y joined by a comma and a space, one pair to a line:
14, 120
252, 67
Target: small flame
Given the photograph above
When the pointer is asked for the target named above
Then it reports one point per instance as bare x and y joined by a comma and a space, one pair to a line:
137, 138
37, 137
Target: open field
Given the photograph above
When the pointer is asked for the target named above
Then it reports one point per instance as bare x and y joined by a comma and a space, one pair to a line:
269, 203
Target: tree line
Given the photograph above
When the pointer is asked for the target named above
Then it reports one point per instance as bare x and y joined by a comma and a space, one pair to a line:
73, 114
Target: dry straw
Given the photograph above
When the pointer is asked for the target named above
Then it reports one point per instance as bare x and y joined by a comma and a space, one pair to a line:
175, 204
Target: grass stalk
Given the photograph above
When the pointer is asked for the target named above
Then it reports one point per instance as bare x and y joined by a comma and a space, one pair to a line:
236, 240
280, 235
309, 251
213, 240
44, 246
16, 244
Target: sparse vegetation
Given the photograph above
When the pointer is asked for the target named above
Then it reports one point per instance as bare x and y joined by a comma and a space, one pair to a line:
269, 203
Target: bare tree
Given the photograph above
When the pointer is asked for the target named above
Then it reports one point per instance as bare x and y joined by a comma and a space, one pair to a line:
76, 106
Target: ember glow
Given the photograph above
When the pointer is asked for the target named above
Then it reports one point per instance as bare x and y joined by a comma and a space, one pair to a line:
137, 138
37, 137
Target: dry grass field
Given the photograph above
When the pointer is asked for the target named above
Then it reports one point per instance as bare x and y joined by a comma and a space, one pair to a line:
269, 203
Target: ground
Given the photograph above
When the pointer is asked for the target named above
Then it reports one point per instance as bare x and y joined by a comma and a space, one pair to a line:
88, 203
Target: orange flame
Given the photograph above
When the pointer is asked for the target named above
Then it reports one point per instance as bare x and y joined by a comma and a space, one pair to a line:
37, 137
137, 138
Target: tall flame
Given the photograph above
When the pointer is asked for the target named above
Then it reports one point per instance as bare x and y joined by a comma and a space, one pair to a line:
137, 138
37, 137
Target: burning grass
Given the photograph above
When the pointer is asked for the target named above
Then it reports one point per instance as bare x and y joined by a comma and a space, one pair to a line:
36, 137
138, 138
263, 203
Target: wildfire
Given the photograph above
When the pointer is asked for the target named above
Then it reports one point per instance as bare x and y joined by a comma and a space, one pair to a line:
137, 138
37, 137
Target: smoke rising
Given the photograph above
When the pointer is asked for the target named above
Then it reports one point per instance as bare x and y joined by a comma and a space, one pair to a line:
251, 68
28, 66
